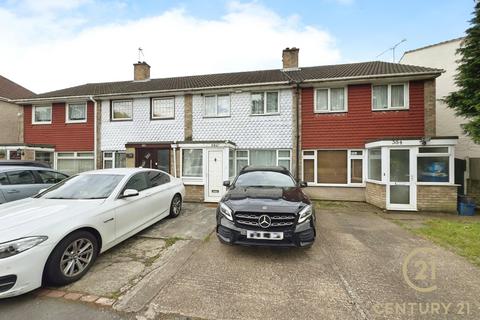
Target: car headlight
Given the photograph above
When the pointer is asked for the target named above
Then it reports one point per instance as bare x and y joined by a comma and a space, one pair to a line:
305, 213
11, 248
226, 211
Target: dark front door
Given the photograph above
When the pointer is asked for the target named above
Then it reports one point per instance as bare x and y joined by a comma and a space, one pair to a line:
153, 158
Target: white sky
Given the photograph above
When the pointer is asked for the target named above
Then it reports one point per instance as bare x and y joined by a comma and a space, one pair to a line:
47, 50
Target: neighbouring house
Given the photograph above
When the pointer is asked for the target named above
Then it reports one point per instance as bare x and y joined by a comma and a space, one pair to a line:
11, 120
467, 153
320, 122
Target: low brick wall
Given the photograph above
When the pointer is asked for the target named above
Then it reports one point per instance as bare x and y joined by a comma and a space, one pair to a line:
376, 194
194, 193
336, 193
437, 198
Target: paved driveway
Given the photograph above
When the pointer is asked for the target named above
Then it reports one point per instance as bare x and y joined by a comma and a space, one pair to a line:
354, 271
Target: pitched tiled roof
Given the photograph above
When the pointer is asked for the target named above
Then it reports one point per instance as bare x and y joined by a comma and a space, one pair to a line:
352, 70
11, 90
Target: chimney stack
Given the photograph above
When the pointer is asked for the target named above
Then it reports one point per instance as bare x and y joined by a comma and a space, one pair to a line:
290, 58
141, 71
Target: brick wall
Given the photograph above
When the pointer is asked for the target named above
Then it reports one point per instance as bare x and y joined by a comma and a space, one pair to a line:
194, 193
429, 97
11, 125
437, 198
130, 162
188, 117
376, 194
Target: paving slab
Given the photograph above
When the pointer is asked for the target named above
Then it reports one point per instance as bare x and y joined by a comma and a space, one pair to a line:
196, 221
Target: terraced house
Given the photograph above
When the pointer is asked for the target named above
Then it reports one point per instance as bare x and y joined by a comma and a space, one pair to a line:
362, 131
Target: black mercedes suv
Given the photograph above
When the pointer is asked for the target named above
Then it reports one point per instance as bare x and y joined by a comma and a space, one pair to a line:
265, 206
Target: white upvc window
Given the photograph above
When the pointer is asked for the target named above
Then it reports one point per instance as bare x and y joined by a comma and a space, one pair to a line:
71, 163
121, 110
333, 167
114, 159
331, 100
264, 103
192, 163
217, 105
393, 96
435, 165
163, 108
263, 157
42, 114
76, 112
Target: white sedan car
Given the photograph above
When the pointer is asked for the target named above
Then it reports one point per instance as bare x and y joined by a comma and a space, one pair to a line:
55, 237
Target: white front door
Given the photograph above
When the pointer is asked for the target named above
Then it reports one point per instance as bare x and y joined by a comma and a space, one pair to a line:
401, 187
214, 186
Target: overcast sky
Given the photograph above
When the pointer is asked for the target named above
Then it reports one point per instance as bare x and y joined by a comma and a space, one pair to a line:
53, 44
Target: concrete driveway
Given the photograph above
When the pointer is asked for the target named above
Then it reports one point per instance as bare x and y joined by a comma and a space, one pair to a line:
362, 266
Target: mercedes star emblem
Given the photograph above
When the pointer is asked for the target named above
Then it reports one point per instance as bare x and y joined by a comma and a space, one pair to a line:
264, 221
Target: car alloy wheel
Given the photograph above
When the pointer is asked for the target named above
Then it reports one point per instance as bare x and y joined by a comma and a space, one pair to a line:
176, 206
76, 257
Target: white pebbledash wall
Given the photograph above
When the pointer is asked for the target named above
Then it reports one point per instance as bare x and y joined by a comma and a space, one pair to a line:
245, 130
443, 56
115, 134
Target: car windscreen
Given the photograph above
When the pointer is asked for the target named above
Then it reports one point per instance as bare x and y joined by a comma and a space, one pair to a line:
264, 179
84, 186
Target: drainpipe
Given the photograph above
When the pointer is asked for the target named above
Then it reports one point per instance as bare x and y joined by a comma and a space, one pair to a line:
174, 146
94, 131
297, 94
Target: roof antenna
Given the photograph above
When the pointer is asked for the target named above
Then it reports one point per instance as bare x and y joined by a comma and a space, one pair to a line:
393, 50
140, 55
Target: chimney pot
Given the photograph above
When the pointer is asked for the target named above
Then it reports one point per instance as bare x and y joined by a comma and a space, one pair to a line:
141, 71
290, 58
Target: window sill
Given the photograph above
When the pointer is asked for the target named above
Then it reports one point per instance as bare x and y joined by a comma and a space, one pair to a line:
438, 184
75, 121
330, 112
195, 181
120, 120
40, 123
391, 109
376, 182
166, 118
265, 114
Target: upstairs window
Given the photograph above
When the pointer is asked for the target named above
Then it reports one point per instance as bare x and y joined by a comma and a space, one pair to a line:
390, 96
265, 103
42, 115
122, 110
76, 112
217, 105
163, 108
331, 100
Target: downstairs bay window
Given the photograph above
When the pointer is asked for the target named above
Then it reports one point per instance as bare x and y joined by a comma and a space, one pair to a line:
192, 163
333, 167
433, 165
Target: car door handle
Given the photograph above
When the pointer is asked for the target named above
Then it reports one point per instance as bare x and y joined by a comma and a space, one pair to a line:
13, 191
108, 220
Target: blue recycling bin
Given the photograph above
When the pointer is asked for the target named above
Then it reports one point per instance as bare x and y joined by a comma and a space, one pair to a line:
466, 206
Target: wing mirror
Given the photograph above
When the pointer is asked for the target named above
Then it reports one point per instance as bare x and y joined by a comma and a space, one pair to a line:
226, 183
130, 193
302, 184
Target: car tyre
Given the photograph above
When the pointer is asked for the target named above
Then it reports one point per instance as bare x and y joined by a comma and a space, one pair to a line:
176, 206
72, 258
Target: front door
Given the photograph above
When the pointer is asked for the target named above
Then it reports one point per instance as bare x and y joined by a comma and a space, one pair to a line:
153, 158
215, 187
401, 188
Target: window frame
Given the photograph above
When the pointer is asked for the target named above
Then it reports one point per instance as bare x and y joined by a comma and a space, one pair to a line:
406, 95
67, 112
193, 179
329, 107
42, 106
112, 118
277, 158
113, 158
74, 155
217, 115
451, 165
265, 113
152, 117
350, 157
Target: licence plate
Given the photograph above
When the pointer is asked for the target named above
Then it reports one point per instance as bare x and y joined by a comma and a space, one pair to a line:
264, 235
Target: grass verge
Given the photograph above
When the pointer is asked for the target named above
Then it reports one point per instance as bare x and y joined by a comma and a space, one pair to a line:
461, 237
